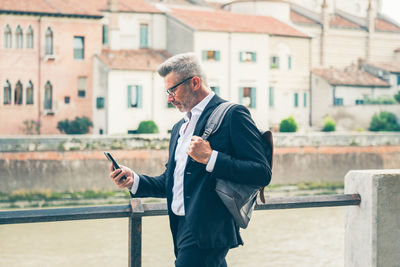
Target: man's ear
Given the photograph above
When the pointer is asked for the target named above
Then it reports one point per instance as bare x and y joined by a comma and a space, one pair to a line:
196, 82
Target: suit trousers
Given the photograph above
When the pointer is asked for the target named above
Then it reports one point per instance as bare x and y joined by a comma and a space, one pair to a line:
191, 255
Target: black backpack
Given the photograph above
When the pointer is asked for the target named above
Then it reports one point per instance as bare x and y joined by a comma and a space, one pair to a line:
239, 199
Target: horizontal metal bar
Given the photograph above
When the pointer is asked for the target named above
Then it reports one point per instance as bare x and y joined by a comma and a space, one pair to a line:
158, 209
64, 214
310, 202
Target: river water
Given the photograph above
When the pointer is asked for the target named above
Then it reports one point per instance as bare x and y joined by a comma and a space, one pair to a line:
278, 238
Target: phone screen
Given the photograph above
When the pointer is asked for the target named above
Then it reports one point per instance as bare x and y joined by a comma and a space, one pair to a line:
115, 164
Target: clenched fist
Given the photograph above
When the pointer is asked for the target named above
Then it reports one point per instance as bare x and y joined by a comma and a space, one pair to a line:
199, 149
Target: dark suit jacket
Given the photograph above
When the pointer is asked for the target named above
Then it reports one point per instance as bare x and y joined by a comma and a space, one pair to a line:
240, 159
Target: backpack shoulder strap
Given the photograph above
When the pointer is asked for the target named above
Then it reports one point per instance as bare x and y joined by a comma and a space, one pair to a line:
215, 119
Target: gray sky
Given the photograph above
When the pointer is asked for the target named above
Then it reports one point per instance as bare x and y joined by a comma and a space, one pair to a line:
392, 9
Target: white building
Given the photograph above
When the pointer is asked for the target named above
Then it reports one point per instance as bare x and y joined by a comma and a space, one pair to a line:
350, 96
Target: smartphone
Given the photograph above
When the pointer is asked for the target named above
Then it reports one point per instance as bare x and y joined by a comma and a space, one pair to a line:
115, 164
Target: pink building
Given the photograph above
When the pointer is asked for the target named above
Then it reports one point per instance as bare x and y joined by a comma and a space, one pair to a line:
46, 62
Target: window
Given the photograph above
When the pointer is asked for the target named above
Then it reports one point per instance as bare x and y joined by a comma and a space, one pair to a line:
247, 96
290, 62
48, 96
48, 49
144, 35
67, 99
100, 102
79, 47
134, 96
7, 40
305, 99
274, 62
271, 96
7, 93
29, 38
338, 101
215, 89
18, 37
211, 55
359, 101
105, 34
296, 100
29, 93
18, 94
398, 79
82, 86
248, 57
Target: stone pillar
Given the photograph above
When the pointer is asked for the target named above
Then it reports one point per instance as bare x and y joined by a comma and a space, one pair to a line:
370, 22
372, 230
325, 20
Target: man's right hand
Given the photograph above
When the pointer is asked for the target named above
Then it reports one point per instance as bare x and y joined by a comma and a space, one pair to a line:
117, 174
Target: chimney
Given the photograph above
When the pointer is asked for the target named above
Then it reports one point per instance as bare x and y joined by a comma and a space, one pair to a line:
370, 19
112, 5
325, 19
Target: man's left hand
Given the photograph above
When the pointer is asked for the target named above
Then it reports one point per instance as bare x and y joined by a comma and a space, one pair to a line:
199, 150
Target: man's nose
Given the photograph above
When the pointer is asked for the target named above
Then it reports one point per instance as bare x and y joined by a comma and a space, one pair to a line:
170, 98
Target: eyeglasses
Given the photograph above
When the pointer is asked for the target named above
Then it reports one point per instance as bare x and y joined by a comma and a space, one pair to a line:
171, 91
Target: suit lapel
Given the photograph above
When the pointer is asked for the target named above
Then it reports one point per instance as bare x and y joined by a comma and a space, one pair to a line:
174, 139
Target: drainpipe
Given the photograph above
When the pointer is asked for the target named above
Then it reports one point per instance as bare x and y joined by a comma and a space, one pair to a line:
39, 73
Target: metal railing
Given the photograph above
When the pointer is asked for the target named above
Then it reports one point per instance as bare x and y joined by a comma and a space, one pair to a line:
135, 211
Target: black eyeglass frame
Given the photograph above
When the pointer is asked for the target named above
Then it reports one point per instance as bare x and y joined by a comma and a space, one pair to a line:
171, 91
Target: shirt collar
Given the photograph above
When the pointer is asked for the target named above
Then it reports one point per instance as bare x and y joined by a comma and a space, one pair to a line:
198, 109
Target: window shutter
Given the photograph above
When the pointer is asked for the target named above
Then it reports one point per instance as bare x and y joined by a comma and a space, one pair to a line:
129, 96
217, 55
254, 57
253, 97
204, 52
241, 56
139, 95
240, 95
271, 96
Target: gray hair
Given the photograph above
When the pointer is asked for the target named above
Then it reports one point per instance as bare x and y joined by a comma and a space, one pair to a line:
184, 65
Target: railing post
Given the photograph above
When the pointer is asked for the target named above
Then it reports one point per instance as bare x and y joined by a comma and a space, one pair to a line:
135, 234
372, 230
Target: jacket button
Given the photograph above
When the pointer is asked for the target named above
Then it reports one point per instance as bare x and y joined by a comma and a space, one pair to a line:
188, 173
187, 197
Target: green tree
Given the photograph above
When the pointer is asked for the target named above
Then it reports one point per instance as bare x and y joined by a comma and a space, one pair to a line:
329, 125
77, 126
384, 121
397, 97
147, 127
288, 125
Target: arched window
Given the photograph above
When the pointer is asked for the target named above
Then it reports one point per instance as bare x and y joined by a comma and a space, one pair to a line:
7, 93
18, 37
18, 94
48, 96
48, 42
7, 38
29, 38
29, 93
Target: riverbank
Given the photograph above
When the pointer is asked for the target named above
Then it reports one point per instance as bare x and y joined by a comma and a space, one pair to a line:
23, 199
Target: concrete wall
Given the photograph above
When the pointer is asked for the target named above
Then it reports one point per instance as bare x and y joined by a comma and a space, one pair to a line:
372, 230
79, 164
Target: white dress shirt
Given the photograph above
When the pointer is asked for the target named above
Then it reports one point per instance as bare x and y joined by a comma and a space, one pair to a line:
185, 136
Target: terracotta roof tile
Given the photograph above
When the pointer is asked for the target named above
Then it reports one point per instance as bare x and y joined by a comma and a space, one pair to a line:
75, 7
392, 66
299, 18
142, 59
382, 25
351, 76
225, 21
339, 21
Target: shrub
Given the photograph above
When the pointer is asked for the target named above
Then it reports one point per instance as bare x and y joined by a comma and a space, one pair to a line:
381, 100
385, 121
31, 127
329, 125
77, 126
397, 97
147, 127
288, 125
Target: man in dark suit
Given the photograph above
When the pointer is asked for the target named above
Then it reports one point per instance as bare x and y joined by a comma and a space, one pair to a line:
203, 230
